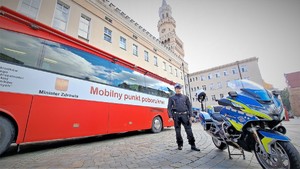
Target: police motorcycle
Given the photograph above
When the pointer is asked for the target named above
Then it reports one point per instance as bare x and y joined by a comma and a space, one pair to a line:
250, 120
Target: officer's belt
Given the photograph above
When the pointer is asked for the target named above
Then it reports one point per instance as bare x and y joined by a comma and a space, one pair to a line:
180, 112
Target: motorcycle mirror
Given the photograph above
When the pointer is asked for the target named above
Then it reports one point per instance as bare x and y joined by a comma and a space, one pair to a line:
224, 102
276, 93
233, 94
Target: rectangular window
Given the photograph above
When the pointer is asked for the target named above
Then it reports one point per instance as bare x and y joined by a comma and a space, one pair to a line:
61, 16
227, 83
30, 8
146, 56
135, 50
211, 86
107, 34
84, 26
225, 73
209, 76
204, 87
171, 70
234, 71
221, 96
244, 69
219, 85
213, 97
176, 73
155, 61
181, 76
202, 78
165, 65
218, 75
122, 43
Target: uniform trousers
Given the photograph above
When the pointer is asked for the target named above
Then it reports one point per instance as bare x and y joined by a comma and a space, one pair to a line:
184, 120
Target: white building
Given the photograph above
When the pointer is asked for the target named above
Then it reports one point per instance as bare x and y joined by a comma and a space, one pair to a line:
214, 81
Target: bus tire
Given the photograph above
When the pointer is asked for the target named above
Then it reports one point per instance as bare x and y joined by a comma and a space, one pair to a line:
7, 134
156, 125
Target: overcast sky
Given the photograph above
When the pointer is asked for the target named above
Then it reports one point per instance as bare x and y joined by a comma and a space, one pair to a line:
217, 32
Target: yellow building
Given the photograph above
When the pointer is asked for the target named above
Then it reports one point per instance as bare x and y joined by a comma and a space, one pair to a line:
105, 26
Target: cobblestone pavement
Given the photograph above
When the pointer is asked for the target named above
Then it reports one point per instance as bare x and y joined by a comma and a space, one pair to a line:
133, 150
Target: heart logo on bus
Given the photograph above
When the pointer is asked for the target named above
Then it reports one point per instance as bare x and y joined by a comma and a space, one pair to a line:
61, 84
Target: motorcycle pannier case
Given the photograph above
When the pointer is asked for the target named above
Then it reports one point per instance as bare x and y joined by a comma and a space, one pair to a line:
205, 120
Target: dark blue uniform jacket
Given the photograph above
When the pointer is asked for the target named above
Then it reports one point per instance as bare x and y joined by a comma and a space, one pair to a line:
179, 103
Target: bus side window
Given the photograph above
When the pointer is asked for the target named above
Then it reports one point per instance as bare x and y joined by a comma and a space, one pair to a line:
19, 48
73, 62
126, 78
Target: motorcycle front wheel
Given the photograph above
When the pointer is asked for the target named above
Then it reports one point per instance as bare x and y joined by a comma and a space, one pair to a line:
282, 155
219, 144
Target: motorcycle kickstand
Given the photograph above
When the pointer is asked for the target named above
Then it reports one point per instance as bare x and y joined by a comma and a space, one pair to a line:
230, 154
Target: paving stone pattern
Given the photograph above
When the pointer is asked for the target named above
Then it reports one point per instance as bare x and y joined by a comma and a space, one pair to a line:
134, 150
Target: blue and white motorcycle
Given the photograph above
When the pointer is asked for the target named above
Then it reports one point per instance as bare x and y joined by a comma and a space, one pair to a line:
250, 120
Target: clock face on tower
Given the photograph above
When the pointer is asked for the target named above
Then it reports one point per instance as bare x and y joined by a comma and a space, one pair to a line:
163, 30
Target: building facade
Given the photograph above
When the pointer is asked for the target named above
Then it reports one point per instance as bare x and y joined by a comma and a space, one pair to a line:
293, 82
215, 80
105, 26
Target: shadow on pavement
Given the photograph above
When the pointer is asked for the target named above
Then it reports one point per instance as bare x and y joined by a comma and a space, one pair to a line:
40, 146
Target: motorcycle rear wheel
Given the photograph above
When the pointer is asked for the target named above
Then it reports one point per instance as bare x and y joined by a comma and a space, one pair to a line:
284, 155
219, 144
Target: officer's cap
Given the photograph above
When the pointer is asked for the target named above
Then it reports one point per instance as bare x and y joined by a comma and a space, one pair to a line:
178, 86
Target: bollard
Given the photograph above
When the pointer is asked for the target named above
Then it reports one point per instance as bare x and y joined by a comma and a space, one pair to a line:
287, 118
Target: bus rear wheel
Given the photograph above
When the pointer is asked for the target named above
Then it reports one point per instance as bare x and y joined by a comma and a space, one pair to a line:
7, 134
156, 125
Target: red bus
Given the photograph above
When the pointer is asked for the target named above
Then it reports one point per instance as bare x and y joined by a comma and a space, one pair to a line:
53, 86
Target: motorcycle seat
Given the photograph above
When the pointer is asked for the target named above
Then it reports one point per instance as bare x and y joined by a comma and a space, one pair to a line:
217, 116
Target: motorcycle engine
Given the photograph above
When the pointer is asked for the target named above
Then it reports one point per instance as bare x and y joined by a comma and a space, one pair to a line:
229, 131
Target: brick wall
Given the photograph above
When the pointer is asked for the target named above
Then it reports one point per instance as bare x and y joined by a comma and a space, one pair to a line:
295, 100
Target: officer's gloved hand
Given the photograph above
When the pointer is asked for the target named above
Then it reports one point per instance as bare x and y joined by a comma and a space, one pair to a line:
191, 120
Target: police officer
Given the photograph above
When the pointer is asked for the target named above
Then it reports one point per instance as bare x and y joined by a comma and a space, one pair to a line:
180, 110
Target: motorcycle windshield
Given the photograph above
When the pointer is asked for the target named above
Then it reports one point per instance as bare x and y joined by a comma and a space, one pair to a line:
250, 88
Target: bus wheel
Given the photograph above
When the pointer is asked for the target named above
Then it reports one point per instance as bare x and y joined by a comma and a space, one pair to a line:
156, 125
7, 134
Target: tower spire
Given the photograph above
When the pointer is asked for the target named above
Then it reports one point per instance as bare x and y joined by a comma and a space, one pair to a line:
166, 28
164, 3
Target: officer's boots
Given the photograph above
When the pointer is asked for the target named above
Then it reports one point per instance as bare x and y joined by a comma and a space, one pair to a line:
179, 147
193, 147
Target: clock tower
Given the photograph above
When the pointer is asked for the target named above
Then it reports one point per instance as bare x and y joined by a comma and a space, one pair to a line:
166, 28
